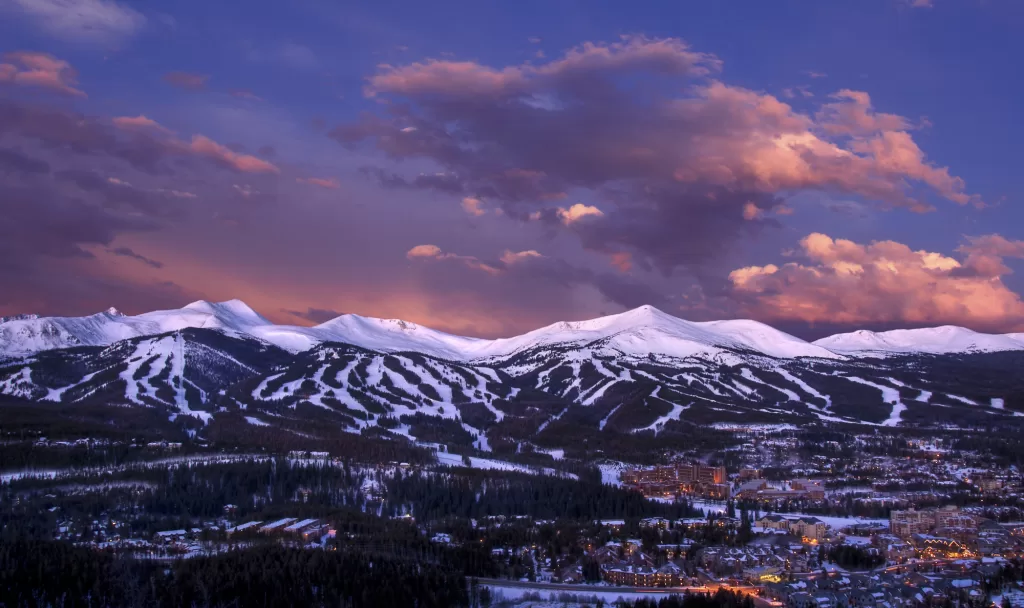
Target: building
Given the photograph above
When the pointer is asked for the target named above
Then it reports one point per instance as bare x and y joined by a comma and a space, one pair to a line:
806, 527
910, 522
949, 520
276, 526
693, 479
809, 528
773, 522
242, 527
759, 489
297, 527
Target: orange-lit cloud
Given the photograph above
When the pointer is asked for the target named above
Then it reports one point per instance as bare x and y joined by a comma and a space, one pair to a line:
471, 205
41, 70
843, 282
622, 260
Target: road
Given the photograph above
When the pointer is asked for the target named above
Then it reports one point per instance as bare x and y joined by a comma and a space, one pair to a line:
581, 589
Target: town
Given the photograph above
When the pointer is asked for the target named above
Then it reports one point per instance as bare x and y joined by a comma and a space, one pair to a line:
781, 516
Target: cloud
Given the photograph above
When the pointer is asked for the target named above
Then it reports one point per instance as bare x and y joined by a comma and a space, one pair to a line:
41, 70
140, 122
985, 254
245, 190
245, 163
329, 183
523, 280
441, 182
101, 22
514, 257
315, 315
623, 260
578, 212
298, 56
73, 185
673, 165
852, 114
797, 91
14, 161
289, 54
203, 146
244, 94
128, 253
844, 282
459, 80
433, 252
186, 80
921, 3
471, 205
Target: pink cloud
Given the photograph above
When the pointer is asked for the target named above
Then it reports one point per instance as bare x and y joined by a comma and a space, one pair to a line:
41, 70
578, 212
200, 145
985, 254
471, 205
853, 114
140, 122
677, 168
186, 80
467, 78
841, 281
433, 252
245, 163
244, 94
329, 183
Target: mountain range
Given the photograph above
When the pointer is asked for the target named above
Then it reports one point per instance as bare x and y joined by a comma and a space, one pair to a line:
640, 371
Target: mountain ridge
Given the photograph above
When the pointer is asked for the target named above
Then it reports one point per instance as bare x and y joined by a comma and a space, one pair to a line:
641, 330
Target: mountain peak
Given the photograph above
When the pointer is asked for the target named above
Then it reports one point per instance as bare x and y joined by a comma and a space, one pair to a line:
233, 307
114, 312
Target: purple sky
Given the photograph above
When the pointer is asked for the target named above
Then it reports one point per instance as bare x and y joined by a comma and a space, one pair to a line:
486, 169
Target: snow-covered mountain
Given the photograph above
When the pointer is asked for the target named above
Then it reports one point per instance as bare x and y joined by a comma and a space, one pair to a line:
932, 340
24, 336
639, 371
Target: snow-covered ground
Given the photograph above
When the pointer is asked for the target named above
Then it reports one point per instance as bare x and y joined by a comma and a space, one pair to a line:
455, 460
889, 395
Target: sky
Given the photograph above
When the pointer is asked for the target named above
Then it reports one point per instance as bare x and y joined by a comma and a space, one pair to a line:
488, 168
